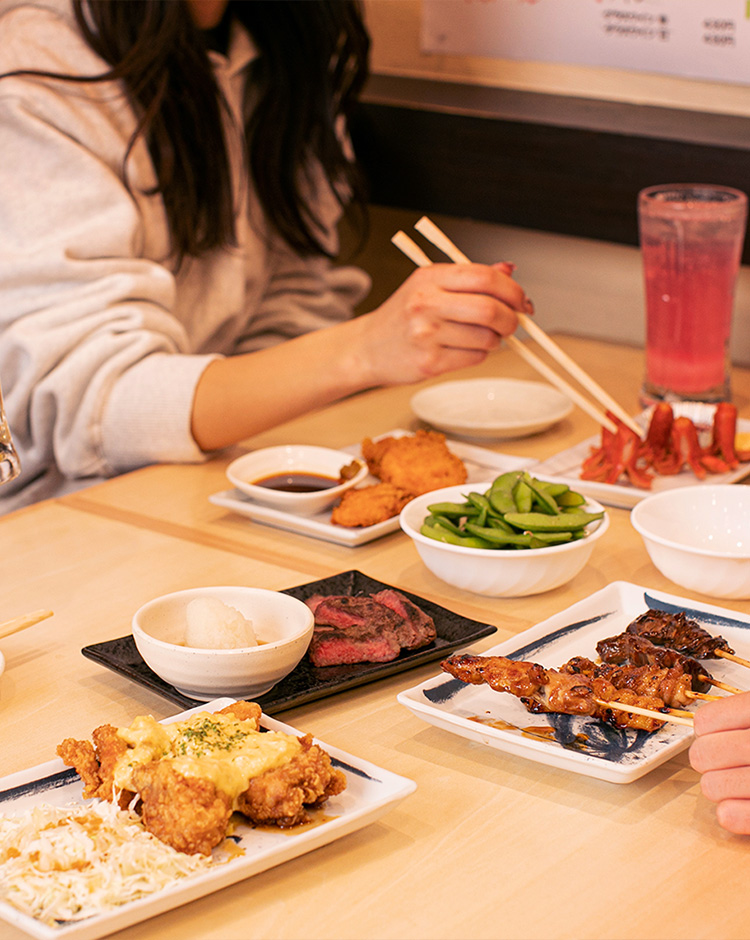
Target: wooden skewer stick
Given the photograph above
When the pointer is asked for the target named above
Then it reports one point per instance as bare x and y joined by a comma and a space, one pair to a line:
704, 696
410, 248
733, 657
440, 240
648, 712
20, 623
722, 685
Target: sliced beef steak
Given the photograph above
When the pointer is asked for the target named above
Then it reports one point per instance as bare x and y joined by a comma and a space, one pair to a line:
417, 628
372, 628
332, 647
346, 612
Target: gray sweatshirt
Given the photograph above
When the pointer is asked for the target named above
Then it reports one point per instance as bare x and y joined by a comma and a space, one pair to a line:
102, 339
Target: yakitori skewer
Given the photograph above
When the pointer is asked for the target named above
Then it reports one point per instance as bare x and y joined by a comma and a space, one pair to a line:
410, 248
22, 622
440, 240
637, 649
543, 690
679, 632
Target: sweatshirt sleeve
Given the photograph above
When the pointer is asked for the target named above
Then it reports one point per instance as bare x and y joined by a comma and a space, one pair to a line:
88, 340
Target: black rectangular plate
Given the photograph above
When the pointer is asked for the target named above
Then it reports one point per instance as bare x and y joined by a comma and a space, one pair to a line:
306, 682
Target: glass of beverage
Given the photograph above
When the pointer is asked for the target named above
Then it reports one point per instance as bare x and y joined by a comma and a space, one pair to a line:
10, 465
691, 242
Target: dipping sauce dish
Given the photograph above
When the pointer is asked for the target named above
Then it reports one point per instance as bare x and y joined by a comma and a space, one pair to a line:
284, 477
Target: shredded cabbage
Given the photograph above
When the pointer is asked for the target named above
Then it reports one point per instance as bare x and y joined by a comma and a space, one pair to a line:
68, 863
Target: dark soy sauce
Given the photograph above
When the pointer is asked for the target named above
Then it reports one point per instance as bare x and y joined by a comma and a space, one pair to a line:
297, 482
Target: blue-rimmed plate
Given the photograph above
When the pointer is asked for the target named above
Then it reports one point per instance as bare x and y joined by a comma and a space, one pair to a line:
580, 744
370, 792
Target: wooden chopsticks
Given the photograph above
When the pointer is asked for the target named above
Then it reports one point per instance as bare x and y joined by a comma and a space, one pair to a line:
433, 234
21, 623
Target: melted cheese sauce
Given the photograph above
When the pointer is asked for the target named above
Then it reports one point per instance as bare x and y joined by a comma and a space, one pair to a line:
222, 748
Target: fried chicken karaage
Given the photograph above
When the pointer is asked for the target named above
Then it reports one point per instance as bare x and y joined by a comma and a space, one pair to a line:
190, 776
407, 467
369, 505
416, 463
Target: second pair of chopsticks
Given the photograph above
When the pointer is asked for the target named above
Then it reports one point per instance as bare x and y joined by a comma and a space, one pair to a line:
438, 238
21, 623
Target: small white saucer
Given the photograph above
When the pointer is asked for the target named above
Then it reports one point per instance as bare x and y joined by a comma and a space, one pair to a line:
491, 408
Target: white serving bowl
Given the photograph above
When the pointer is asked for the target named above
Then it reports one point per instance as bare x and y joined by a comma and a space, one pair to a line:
282, 624
699, 537
491, 407
290, 459
498, 572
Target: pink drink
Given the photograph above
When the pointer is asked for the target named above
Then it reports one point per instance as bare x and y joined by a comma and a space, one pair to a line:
691, 242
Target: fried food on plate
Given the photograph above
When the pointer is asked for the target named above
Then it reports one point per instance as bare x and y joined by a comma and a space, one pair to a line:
369, 505
415, 463
191, 775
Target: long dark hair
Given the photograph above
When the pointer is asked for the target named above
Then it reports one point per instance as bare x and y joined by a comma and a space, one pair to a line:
312, 63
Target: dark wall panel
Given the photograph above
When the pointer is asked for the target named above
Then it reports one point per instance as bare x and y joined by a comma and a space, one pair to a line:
569, 180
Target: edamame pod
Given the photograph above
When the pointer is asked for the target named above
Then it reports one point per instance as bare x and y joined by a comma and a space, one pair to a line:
498, 536
445, 535
541, 522
538, 495
522, 496
570, 499
449, 509
500, 493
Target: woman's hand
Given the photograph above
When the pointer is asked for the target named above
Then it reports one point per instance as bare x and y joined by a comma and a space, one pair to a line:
444, 317
721, 753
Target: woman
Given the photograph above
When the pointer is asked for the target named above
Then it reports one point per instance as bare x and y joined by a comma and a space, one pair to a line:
167, 224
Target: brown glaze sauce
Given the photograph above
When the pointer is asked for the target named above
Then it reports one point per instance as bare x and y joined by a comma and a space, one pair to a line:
545, 732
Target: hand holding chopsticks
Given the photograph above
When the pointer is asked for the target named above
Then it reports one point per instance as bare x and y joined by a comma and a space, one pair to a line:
438, 238
21, 623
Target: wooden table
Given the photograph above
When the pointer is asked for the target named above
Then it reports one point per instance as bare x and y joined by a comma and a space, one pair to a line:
489, 845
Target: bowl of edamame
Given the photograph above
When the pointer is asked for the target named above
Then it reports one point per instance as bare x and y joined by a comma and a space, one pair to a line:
513, 536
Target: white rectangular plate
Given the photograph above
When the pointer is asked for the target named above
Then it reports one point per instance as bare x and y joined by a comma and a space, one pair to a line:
481, 465
582, 745
567, 464
370, 792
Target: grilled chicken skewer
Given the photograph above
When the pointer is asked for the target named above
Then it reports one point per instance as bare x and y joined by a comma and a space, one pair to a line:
670, 684
545, 690
684, 635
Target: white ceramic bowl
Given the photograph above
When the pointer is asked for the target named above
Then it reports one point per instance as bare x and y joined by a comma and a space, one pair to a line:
290, 459
491, 408
498, 572
282, 624
699, 537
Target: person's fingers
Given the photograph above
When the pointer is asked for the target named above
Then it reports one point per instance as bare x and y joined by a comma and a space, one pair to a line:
732, 712
732, 784
475, 279
734, 816
720, 751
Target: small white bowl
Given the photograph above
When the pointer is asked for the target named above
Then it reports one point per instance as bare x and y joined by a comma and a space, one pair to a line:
290, 459
491, 408
282, 624
497, 572
699, 537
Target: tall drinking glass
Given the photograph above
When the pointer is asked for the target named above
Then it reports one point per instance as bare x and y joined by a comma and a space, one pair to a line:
691, 243
10, 465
